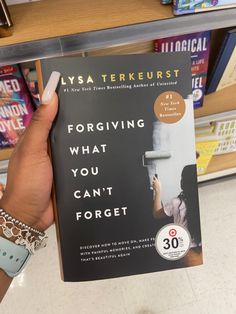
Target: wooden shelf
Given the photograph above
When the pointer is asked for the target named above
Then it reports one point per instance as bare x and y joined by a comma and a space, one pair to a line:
221, 165
222, 162
221, 101
53, 18
54, 27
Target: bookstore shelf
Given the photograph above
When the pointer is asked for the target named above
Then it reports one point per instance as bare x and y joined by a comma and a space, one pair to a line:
50, 28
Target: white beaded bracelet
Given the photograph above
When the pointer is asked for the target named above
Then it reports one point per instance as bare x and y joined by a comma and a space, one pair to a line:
22, 234
19, 223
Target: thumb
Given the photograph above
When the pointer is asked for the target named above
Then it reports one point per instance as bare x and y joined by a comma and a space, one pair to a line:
36, 134
41, 122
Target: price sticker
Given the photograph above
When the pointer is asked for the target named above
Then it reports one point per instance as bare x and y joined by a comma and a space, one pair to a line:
172, 242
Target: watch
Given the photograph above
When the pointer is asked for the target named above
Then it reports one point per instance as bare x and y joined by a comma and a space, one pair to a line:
13, 257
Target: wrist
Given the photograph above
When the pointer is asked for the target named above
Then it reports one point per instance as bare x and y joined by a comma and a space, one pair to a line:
14, 209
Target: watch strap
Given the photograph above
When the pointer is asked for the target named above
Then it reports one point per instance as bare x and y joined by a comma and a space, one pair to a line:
13, 257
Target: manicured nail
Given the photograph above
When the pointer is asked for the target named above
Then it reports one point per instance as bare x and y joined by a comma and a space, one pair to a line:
50, 87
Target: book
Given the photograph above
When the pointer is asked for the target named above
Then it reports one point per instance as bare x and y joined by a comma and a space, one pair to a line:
199, 46
16, 107
224, 71
166, 1
192, 6
29, 72
125, 124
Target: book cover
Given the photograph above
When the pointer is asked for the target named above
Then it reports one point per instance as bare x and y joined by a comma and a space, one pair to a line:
29, 72
224, 71
124, 127
16, 107
199, 46
192, 6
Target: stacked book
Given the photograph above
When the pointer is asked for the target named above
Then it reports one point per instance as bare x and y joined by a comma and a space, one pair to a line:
194, 6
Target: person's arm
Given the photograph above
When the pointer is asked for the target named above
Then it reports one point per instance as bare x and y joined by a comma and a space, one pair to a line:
158, 211
29, 182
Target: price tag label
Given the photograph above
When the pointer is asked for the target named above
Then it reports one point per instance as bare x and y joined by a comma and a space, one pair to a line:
172, 242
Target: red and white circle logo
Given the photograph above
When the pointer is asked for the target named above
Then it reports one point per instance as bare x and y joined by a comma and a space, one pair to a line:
172, 232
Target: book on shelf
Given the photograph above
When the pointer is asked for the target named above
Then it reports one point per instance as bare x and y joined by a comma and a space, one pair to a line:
16, 107
166, 1
194, 6
28, 70
224, 70
199, 46
125, 124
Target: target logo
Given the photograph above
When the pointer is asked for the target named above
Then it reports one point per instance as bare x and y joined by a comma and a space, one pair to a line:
172, 242
172, 232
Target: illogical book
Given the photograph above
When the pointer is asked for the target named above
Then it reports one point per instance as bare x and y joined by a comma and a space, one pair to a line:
199, 46
224, 70
194, 6
16, 107
125, 124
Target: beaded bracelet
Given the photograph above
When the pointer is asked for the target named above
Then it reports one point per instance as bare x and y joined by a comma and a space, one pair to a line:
21, 233
19, 223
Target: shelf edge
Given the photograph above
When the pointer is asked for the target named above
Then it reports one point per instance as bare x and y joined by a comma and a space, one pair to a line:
81, 42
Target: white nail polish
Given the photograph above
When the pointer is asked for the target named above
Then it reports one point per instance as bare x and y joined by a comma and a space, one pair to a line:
50, 87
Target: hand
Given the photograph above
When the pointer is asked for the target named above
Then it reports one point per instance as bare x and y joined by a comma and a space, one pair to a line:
28, 191
156, 184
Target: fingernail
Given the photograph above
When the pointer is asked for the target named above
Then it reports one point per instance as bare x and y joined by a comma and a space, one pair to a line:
50, 87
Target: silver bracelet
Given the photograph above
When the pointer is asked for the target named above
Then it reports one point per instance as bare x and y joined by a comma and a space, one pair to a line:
21, 234
19, 223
